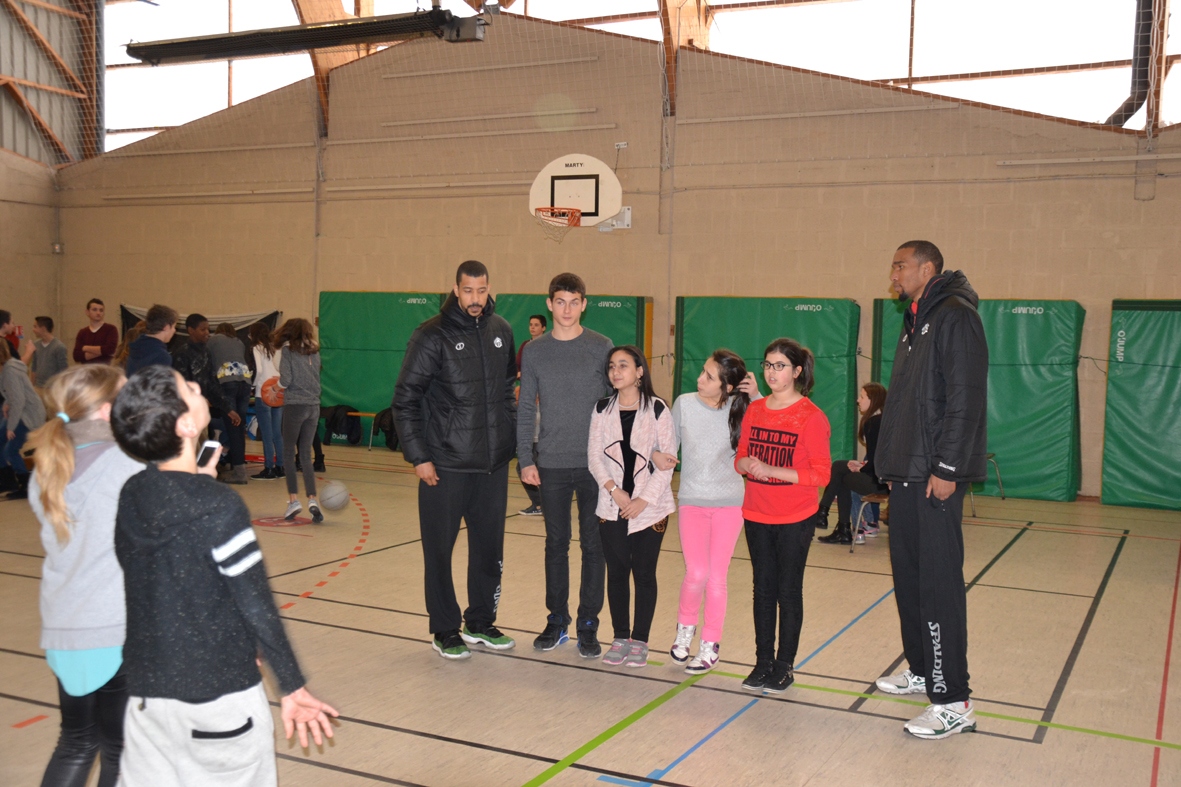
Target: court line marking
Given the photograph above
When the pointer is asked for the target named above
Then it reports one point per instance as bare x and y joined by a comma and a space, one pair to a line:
609, 733
847, 626
23, 576
350, 771
19, 554
20, 725
979, 576
660, 773
346, 557
1060, 687
1069, 532
1164, 684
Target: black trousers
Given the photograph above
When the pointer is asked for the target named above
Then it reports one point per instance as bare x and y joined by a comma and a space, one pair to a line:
237, 393
843, 483
927, 554
631, 556
91, 725
559, 486
479, 499
778, 554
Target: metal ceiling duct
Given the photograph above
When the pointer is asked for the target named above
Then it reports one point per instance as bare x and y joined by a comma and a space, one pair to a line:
1141, 63
301, 38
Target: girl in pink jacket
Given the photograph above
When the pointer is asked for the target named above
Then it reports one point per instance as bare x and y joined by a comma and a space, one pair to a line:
635, 498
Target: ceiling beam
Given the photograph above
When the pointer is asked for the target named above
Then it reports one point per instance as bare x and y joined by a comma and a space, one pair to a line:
61, 91
55, 9
90, 47
1018, 72
38, 122
683, 23
1159, 67
715, 8
324, 60
43, 43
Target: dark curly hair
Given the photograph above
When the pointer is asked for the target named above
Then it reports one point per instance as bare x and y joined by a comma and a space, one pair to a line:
145, 414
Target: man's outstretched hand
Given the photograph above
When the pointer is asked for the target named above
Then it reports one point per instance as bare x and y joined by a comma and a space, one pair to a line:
301, 711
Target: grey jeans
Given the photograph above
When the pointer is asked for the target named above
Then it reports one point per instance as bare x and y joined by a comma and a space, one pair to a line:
228, 742
299, 427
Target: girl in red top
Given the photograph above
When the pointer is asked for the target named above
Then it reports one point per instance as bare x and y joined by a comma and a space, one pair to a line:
783, 452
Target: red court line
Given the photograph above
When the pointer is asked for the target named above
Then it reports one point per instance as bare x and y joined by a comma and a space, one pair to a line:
1164, 684
288, 605
22, 724
322, 583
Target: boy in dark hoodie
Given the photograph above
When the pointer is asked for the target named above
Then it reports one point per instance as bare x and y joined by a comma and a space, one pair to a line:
199, 608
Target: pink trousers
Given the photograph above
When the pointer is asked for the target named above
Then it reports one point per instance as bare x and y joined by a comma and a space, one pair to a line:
708, 536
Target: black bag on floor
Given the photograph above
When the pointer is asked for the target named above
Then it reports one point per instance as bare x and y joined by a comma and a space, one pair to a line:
340, 426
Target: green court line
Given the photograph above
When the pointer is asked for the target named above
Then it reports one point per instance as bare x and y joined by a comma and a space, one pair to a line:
1019, 719
608, 734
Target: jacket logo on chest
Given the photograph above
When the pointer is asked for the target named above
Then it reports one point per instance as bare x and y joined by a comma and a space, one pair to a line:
925, 327
459, 346
497, 342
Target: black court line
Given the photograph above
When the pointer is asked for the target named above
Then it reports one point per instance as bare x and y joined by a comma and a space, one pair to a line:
496, 749
652, 679
872, 688
350, 771
29, 701
1062, 524
23, 653
22, 554
346, 557
13, 574
1068, 667
1034, 590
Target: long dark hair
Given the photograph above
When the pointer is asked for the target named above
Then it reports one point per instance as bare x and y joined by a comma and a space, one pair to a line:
801, 358
647, 394
877, 400
732, 373
260, 336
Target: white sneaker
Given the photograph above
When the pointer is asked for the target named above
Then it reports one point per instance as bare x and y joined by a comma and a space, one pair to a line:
905, 683
293, 510
680, 648
706, 659
859, 538
940, 721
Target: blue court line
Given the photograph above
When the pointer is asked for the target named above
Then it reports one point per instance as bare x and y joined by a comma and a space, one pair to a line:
848, 626
661, 772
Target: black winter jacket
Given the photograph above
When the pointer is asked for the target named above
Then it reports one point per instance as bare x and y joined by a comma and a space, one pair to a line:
935, 420
196, 365
453, 402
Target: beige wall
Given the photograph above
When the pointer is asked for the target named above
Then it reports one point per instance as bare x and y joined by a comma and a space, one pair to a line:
812, 202
28, 268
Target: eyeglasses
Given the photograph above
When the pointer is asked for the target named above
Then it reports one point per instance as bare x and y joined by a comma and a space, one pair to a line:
779, 366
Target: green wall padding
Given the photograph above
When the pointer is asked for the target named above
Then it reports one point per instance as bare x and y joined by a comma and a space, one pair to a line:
621, 318
1033, 411
826, 326
363, 338
1142, 429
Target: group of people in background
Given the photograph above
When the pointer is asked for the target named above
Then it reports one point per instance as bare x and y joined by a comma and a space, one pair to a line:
154, 599
587, 428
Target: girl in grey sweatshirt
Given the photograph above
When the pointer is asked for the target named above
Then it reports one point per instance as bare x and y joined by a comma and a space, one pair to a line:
75, 496
23, 412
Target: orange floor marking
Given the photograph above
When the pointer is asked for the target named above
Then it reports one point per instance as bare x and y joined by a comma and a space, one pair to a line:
22, 724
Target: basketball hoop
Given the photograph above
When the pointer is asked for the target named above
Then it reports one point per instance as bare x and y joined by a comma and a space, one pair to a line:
558, 221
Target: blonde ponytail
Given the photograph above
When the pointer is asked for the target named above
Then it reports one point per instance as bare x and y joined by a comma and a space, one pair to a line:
77, 394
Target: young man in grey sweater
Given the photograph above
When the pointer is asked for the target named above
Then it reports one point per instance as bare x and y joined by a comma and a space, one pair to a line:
564, 373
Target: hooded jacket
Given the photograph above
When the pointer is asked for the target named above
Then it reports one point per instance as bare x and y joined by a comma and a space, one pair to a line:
199, 607
453, 403
935, 418
147, 351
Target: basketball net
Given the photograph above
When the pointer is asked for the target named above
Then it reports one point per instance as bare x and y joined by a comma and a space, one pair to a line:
556, 222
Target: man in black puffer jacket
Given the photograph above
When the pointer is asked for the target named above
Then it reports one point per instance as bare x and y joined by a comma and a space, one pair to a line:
931, 446
456, 419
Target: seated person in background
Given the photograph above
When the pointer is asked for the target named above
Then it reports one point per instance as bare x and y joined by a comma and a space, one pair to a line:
849, 475
199, 608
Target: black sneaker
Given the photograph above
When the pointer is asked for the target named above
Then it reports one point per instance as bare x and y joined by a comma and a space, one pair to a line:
757, 679
488, 636
842, 535
278, 472
318, 467
450, 645
314, 510
781, 677
266, 475
554, 634
588, 644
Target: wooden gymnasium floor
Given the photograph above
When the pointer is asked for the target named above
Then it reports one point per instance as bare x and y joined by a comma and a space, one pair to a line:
1071, 613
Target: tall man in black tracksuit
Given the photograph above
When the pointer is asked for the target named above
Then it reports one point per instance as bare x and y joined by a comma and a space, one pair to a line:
932, 445
455, 413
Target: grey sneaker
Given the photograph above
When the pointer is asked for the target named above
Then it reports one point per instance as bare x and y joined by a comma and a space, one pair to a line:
618, 652
940, 721
638, 655
905, 682
293, 510
680, 648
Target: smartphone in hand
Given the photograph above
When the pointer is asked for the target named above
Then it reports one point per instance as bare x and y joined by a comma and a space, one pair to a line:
208, 451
